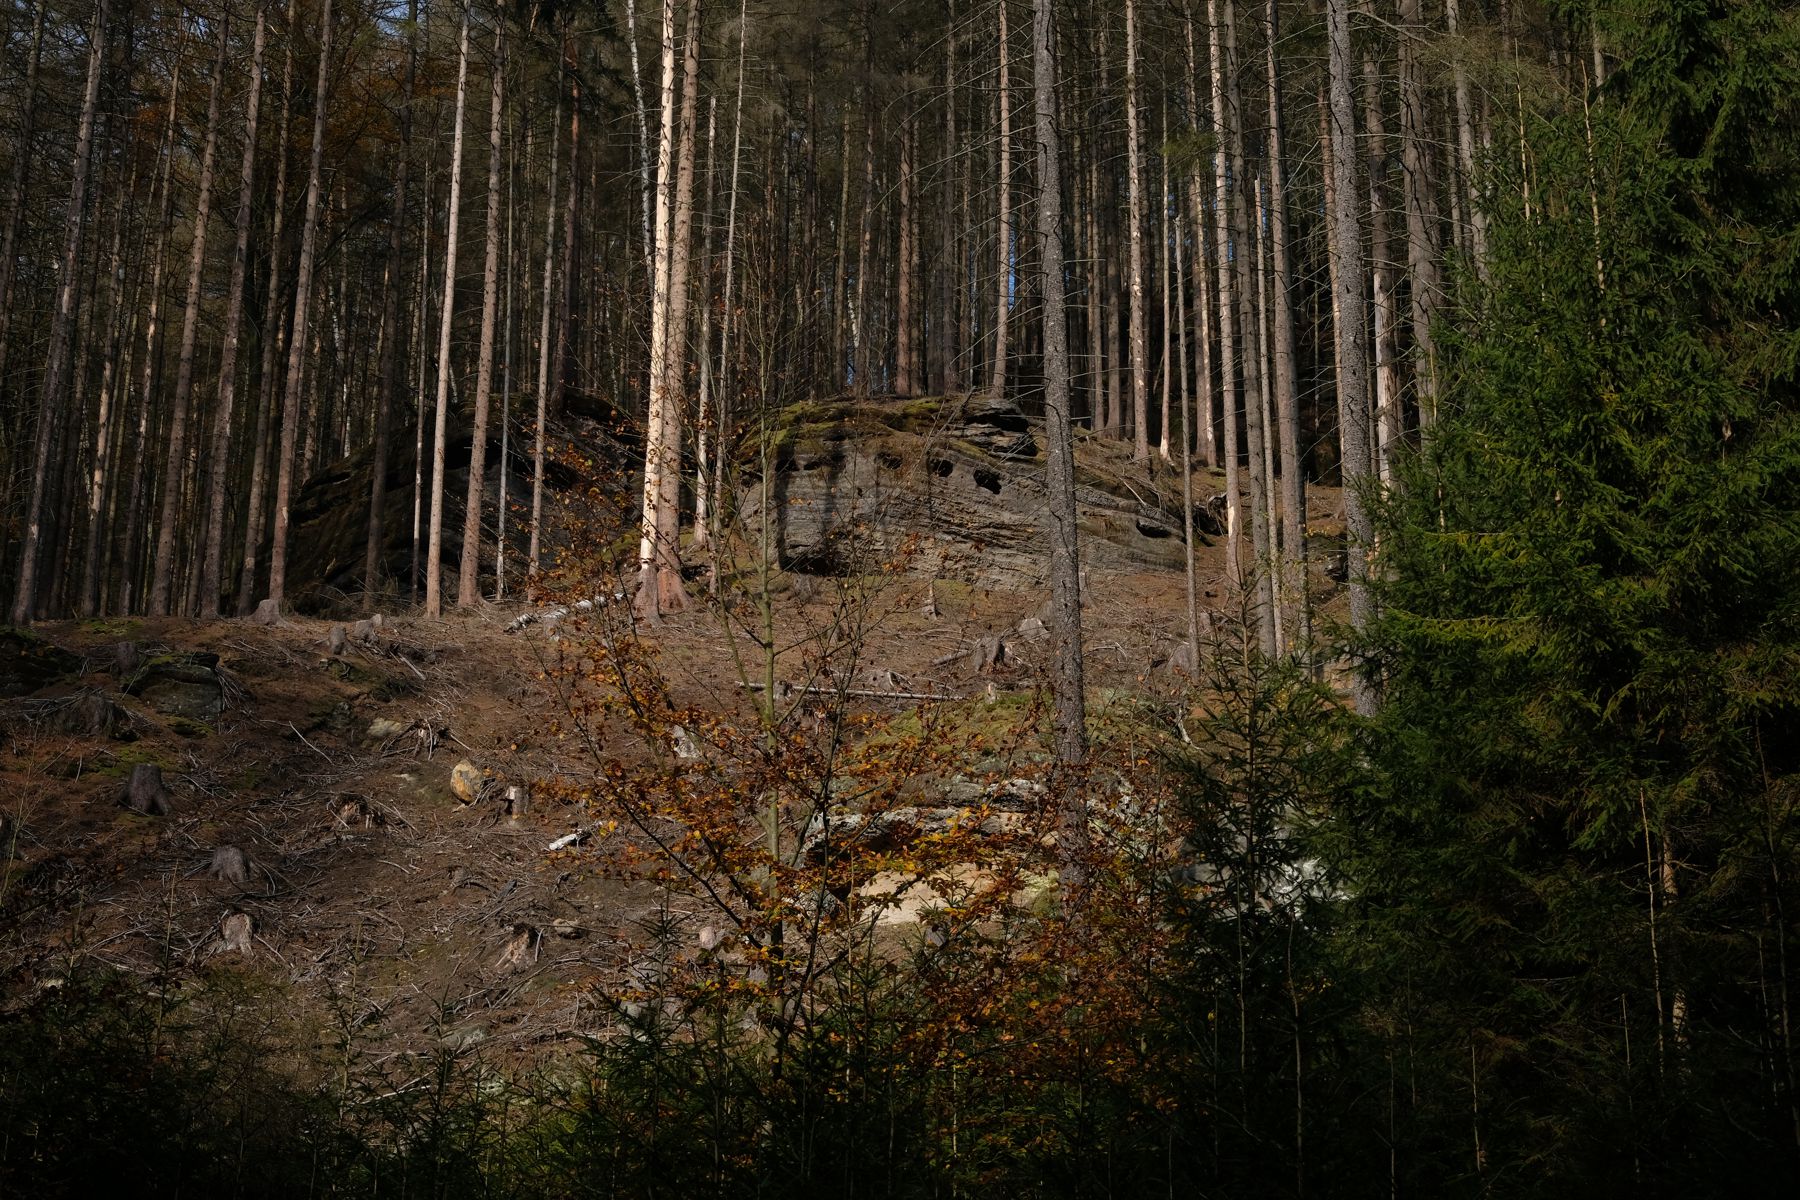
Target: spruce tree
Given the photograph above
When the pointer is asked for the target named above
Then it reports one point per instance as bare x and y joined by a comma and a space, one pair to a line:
1576, 880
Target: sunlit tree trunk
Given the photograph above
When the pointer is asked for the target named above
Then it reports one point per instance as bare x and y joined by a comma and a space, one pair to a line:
434, 545
1134, 213
535, 546
468, 590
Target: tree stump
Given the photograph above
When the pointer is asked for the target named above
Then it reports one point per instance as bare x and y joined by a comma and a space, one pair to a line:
145, 792
230, 865
987, 654
235, 932
521, 948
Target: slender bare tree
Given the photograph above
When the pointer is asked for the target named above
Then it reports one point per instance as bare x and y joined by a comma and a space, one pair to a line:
163, 571
434, 552
468, 590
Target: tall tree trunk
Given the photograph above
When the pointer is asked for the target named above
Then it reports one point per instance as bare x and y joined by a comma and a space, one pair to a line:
388, 372
1249, 359
1347, 289
644, 181
726, 373
1003, 278
174, 464
291, 413
1422, 249
1065, 558
468, 590
1387, 370
218, 462
1134, 213
51, 400
906, 373
15, 190
1465, 138
114, 380
273, 331
1292, 592
705, 418
1167, 231
660, 589
535, 546
434, 551
1224, 253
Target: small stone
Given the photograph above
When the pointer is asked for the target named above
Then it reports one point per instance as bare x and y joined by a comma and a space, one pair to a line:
467, 781
384, 729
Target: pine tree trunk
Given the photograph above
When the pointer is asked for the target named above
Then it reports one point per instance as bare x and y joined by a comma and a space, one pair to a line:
1387, 376
15, 191
1465, 139
51, 400
1249, 358
705, 418
163, 572
1224, 253
1292, 592
1065, 558
1134, 213
1422, 249
534, 549
114, 380
388, 372
1003, 272
906, 381
468, 588
273, 342
218, 474
434, 545
292, 406
1347, 304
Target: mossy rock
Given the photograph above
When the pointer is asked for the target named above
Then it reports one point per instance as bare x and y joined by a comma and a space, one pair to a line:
29, 663
180, 685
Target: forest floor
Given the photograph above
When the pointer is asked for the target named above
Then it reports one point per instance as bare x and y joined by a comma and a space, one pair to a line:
380, 899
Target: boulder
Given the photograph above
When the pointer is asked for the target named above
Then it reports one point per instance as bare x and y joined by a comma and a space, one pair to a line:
180, 685
961, 483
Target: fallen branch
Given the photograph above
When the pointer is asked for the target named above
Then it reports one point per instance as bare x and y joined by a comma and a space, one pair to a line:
860, 693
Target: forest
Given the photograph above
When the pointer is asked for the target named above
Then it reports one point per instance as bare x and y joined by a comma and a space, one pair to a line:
1096, 597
